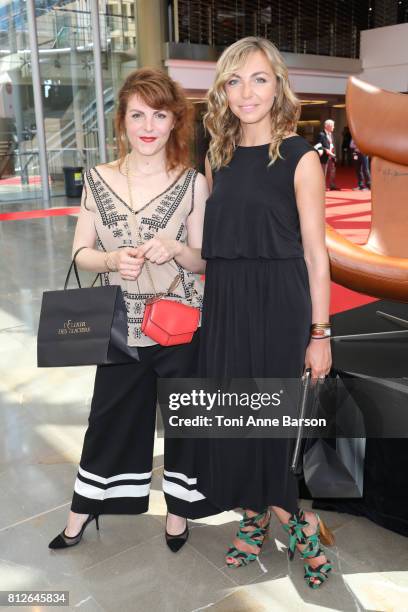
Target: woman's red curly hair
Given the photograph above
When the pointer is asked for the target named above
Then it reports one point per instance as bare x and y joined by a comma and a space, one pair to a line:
160, 92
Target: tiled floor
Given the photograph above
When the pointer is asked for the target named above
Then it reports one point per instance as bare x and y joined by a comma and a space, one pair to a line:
126, 566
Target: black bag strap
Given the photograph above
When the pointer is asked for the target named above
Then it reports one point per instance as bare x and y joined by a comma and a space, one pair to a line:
75, 267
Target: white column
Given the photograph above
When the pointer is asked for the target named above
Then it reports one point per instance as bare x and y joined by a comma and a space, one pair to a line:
100, 114
38, 107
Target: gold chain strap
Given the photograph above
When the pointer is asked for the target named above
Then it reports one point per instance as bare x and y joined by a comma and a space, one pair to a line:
177, 279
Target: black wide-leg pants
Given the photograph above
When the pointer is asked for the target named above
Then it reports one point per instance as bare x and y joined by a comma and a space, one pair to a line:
115, 471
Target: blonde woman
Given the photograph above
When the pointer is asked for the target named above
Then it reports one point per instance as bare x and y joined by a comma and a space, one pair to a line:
266, 299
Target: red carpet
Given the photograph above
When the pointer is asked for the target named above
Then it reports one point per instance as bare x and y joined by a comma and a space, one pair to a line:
37, 214
16, 180
349, 212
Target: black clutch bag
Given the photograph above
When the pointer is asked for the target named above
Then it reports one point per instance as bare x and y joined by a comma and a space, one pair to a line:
84, 326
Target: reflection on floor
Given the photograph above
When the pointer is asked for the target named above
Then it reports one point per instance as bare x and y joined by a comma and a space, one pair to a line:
126, 566
11, 189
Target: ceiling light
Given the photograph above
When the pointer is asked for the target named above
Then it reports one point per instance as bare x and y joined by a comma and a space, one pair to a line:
305, 102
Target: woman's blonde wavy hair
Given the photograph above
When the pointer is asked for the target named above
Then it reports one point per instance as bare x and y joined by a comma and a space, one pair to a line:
219, 121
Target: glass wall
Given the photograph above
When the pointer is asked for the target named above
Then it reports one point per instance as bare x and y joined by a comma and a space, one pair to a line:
64, 37
19, 175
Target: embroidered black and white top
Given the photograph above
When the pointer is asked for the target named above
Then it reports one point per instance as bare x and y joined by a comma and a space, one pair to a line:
164, 216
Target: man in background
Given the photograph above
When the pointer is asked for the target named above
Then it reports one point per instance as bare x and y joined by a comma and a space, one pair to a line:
327, 151
345, 147
362, 168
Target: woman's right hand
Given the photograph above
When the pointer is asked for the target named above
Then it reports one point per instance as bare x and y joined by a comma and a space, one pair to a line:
127, 263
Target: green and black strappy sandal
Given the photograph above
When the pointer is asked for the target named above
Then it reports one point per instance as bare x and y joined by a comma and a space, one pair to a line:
255, 537
314, 576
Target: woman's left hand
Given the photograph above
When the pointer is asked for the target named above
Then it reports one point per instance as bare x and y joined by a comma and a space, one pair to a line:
318, 357
160, 250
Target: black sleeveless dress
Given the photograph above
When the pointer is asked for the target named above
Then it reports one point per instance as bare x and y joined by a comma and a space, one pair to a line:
256, 314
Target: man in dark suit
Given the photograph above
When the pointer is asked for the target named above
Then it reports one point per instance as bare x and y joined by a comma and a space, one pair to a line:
362, 168
327, 151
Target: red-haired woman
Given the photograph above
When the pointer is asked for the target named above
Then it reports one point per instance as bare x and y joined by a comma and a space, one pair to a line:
146, 205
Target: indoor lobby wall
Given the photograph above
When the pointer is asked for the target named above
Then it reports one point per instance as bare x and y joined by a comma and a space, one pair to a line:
384, 56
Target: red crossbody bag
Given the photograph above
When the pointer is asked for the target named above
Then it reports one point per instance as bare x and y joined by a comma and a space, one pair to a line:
168, 322
165, 321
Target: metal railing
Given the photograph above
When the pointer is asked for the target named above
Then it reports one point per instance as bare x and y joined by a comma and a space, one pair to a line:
61, 144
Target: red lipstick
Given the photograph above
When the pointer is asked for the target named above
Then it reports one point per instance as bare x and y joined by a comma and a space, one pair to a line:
148, 138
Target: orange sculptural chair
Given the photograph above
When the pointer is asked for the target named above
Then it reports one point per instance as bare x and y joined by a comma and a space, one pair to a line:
378, 121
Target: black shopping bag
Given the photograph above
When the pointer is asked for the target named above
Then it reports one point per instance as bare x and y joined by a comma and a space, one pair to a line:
331, 467
84, 326
335, 470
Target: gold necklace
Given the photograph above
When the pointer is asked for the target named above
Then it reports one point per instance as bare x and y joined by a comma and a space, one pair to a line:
136, 212
128, 183
139, 237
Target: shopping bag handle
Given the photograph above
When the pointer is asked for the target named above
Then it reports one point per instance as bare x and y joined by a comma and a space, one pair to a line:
75, 267
305, 390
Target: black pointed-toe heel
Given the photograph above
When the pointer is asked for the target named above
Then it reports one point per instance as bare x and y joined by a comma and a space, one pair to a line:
175, 542
64, 541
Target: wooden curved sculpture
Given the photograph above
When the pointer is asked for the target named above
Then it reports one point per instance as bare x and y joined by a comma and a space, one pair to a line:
378, 122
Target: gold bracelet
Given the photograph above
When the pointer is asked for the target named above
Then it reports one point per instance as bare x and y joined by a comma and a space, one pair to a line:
108, 263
